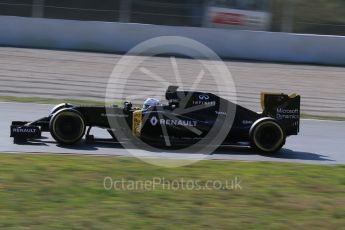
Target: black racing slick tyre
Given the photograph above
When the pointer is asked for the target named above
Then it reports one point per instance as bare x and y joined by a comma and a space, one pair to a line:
60, 106
267, 136
67, 126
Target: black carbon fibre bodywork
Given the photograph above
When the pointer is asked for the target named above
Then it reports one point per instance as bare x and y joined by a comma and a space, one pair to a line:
187, 118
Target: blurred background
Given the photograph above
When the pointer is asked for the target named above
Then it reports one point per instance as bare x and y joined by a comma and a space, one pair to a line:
77, 75
296, 16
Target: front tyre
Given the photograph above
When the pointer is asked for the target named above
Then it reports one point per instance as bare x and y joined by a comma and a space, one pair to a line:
67, 126
59, 107
267, 136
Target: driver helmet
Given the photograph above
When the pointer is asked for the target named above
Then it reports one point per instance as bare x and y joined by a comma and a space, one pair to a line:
150, 102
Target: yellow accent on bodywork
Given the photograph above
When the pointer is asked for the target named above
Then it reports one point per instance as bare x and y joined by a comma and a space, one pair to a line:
293, 95
262, 98
137, 123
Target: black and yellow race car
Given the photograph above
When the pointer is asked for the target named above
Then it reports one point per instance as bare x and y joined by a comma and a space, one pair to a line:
188, 118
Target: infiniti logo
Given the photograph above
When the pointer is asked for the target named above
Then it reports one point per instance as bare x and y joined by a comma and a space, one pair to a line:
204, 97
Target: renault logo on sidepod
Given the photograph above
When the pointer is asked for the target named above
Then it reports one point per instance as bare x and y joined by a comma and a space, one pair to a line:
154, 121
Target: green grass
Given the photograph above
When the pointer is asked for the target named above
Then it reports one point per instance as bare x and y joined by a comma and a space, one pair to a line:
325, 16
93, 102
66, 192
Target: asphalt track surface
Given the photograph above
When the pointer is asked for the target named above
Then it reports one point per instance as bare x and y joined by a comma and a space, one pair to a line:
319, 142
83, 75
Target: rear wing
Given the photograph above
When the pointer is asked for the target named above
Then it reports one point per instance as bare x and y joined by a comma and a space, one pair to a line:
284, 108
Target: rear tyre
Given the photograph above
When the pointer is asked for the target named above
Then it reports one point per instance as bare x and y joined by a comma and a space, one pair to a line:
267, 136
67, 126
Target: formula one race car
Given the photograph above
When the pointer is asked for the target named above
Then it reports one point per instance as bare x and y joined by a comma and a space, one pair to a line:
189, 118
